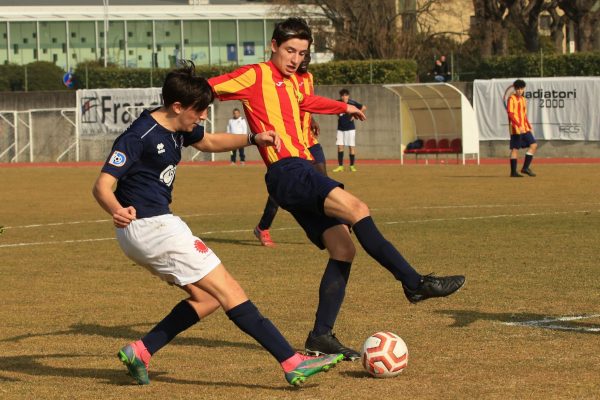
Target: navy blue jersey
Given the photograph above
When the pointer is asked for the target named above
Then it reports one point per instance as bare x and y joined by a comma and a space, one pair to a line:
345, 121
144, 159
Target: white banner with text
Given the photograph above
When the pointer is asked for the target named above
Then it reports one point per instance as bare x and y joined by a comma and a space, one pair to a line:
111, 111
557, 108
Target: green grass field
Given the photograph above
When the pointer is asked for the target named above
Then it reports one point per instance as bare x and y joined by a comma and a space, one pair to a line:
526, 324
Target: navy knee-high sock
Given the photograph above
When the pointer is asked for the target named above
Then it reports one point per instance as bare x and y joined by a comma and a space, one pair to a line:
340, 158
513, 166
385, 253
331, 295
247, 317
181, 317
268, 214
528, 159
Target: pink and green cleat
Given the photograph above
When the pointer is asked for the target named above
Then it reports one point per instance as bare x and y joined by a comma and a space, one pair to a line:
138, 369
311, 366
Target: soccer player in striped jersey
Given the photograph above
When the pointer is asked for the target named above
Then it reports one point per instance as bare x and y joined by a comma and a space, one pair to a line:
270, 94
521, 135
310, 129
142, 164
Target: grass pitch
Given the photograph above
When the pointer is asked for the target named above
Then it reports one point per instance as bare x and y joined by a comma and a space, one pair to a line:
526, 324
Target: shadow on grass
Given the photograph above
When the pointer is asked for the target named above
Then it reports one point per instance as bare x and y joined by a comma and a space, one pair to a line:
463, 318
477, 176
356, 374
209, 239
128, 333
34, 365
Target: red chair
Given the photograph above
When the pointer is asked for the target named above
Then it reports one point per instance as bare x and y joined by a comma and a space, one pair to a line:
443, 146
430, 146
456, 145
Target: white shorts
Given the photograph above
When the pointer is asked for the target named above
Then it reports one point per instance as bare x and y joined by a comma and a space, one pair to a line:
167, 247
345, 138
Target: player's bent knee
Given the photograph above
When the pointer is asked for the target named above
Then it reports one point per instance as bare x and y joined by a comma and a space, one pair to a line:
360, 210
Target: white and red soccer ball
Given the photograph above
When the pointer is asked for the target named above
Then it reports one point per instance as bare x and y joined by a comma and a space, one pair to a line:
384, 355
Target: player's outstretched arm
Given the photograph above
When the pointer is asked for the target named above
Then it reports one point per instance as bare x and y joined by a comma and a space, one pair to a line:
103, 192
221, 142
355, 112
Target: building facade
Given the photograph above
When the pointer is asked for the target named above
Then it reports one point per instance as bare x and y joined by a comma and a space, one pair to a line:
155, 34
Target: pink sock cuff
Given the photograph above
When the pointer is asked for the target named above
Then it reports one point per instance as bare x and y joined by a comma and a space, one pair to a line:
291, 363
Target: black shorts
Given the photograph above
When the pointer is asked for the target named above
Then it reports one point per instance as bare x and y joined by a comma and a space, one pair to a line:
522, 141
298, 188
317, 153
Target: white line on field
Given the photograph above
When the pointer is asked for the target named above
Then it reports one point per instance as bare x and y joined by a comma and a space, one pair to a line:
549, 323
112, 238
93, 221
458, 206
485, 217
289, 228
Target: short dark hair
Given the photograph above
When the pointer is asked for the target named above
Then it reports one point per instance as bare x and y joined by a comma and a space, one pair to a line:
292, 28
304, 64
344, 92
184, 86
519, 84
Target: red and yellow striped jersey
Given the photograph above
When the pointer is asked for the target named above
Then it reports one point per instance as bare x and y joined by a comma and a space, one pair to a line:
273, 101
517, 115
306, 87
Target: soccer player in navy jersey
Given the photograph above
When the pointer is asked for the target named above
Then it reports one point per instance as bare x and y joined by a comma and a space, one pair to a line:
346, 133
271, 99
143, 164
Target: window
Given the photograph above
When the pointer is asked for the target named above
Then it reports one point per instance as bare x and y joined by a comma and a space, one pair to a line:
83, 49
168, 43
195, 42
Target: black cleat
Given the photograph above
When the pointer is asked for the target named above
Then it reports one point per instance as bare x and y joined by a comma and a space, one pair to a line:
328, 344
434, 286
528, 171
516, 175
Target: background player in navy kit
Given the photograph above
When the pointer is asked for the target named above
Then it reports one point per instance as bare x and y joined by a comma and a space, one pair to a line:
143, 164
346, 133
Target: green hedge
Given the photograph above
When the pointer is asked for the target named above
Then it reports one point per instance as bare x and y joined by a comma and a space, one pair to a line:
355, 72
340, 72
94, 76
534, 65
39, 75
47, 76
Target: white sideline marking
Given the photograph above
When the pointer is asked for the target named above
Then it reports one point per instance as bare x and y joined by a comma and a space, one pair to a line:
486, 217
458, 206
112, 238
547, 323
288, 228
94, 221
54, 242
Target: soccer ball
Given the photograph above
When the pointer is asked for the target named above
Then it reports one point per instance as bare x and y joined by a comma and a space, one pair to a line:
384, 355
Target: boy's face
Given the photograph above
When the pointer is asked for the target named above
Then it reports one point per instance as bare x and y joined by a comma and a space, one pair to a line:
520, 91
236, 114
188, 118
288, 56
345, 98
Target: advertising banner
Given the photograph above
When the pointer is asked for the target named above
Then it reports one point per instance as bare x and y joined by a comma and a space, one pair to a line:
558, 108
110, 111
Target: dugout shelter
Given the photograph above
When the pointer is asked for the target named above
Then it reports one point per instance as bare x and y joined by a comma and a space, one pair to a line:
441, 116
